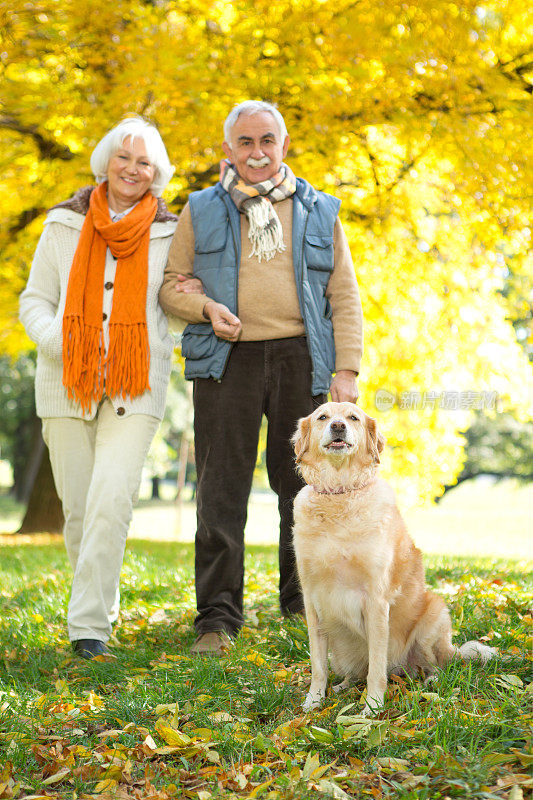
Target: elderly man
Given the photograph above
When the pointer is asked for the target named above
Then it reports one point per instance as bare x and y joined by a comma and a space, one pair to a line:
280, 314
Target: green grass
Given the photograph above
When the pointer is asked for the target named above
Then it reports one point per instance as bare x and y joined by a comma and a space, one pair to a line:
78, 724
11, 513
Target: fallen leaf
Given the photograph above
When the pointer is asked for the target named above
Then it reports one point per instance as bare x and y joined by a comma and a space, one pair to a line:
259, 789
509, 681
255, 658
105, 785
57, 776
288, 730
432, 696
398, 764
166, 707
157, 616
149, 743
105, 658
114, 733
331, 788
516, 778
312, 762
526, 759
498, 758
410, 781
172, 736
321, 734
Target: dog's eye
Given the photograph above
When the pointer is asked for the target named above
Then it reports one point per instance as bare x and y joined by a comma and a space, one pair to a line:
352, 416
323, 416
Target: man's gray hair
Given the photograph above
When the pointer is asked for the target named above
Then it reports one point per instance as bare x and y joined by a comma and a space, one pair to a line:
248, 108
135, 128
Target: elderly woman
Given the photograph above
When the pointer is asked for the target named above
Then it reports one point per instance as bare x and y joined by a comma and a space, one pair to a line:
103, 359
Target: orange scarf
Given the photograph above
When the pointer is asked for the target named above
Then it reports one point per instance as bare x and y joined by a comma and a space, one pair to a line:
125, 370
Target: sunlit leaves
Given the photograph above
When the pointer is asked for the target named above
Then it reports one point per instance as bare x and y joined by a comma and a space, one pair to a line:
417, 115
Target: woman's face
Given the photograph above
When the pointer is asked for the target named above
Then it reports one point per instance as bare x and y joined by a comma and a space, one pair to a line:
129, 174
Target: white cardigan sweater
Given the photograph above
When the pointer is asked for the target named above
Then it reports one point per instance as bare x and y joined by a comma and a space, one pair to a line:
42, 304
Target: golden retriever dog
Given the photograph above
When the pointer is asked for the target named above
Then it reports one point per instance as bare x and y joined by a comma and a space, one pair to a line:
362, 577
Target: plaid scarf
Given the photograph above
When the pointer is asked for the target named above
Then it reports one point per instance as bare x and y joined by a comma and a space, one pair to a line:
256, 201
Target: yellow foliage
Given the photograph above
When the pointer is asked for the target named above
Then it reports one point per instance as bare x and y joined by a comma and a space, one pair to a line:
417, 115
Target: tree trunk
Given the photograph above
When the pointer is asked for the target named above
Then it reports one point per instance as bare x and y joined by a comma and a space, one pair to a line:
44, 512
26, 473
155, 487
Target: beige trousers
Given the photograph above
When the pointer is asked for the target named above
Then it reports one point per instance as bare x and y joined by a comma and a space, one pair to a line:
97, 467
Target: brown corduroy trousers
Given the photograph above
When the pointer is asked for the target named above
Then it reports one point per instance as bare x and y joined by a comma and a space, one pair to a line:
270, 377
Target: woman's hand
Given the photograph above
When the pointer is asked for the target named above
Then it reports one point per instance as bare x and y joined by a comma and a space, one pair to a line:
189, 285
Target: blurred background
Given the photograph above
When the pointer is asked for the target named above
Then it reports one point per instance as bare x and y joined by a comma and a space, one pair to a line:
418, 116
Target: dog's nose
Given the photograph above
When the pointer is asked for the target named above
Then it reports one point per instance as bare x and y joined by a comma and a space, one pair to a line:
338, 425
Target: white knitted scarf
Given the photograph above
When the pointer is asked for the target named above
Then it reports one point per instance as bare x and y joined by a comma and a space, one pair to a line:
256, 201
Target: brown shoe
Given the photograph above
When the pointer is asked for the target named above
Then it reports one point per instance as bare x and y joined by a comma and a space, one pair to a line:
213, 643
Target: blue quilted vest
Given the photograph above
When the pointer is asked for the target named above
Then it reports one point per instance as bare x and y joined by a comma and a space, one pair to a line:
217, 235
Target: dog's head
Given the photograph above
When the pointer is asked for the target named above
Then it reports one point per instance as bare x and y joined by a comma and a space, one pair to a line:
336, 435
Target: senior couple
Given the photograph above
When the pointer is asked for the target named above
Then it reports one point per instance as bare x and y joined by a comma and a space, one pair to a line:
259, 267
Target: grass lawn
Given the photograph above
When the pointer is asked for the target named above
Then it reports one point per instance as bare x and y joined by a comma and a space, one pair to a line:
156, 723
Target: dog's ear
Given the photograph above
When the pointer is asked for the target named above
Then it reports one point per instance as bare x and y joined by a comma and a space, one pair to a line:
300, 440
374, 440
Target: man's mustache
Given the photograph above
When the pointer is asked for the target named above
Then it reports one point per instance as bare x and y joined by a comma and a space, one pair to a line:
258, 162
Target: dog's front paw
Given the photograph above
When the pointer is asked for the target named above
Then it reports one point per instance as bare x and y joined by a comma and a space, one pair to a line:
312, 701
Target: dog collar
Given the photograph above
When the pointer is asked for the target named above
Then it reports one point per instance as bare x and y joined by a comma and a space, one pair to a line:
342, 490
333, 491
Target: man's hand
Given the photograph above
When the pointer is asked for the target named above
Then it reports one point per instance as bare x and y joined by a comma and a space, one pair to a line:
189, 285
225, 324
343, 387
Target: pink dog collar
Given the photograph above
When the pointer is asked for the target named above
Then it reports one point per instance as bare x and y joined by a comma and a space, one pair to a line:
343, 489
334, 491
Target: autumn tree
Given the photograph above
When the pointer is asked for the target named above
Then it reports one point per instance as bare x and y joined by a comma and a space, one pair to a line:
501, 447
416, 115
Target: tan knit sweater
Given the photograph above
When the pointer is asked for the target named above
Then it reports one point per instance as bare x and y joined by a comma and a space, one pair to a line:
267, 300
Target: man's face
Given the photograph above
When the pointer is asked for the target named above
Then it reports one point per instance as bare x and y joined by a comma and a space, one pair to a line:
256, 148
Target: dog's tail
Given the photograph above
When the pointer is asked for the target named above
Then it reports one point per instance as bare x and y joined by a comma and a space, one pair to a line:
475, 651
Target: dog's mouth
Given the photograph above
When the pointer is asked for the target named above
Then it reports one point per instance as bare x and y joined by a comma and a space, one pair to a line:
338, 444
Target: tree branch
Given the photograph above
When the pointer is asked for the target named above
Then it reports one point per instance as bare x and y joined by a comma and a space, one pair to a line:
25, 218
498, 475
48, 148
195, 181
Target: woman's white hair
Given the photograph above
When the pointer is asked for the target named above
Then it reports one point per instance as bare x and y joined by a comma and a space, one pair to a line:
248, 108
135, 128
